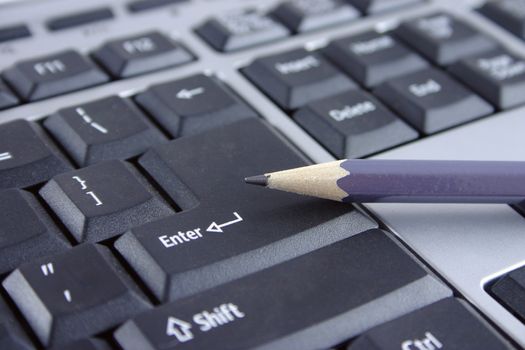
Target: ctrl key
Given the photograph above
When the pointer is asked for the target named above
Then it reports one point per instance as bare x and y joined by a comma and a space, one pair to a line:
447, 324
323, 298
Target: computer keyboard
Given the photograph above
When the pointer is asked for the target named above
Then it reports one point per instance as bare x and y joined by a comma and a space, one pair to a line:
127, 127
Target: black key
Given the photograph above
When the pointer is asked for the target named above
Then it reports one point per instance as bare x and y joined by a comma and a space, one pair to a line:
510, 291
14, 32
232, 229
78, 19
27, 232
370, 7
27, 155
7, 98
242, 29
498, 76
510, 14
311, 302
447, 324
432, 101
85, 344
12, 337
306, 15
353, 124
192, 105
140, 54
372, 58
103, 200
444, 39
53, 75
144, 5
111, 128
74, 295
297, 77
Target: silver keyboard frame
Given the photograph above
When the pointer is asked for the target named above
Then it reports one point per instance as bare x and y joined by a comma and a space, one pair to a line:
467, 245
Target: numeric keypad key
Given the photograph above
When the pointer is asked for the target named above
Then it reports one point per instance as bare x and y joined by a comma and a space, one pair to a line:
74, 295
103, 200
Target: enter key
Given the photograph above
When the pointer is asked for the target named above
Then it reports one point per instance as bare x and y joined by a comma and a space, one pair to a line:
227, 229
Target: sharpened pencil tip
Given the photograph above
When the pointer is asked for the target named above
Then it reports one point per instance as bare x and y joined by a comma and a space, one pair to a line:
260, 180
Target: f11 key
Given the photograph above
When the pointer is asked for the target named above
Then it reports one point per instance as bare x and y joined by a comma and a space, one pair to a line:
52, 75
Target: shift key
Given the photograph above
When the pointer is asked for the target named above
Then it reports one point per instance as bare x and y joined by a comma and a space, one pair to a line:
315, 301
227, 229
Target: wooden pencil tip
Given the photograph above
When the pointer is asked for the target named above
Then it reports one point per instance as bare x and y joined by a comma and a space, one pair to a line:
260, 180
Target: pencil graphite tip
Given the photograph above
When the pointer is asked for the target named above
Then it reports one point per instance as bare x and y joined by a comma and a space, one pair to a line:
260, 180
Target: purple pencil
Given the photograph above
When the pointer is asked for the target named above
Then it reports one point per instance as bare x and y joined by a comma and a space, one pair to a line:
403, 181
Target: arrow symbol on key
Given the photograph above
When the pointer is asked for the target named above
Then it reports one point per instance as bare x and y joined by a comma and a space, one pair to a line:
189, 94
214, 227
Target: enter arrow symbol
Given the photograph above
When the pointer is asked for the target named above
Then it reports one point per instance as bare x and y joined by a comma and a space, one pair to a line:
188, 94
214, 227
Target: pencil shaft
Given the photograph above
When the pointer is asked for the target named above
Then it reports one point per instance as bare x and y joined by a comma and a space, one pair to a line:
422, 181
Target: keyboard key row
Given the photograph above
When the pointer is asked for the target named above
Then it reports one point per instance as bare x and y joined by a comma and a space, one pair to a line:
232, 245
69, 71
114, 128
223, 233
243, 29
312, 85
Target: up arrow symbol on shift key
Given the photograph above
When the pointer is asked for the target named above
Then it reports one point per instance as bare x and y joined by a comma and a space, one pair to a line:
214, 227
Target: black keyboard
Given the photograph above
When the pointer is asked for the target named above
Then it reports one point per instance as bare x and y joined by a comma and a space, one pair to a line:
125, 220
